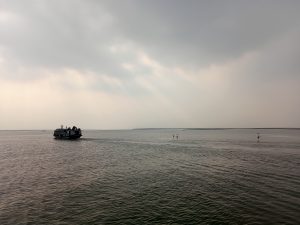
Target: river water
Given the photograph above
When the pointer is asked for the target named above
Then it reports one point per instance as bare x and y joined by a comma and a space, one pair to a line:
146, 177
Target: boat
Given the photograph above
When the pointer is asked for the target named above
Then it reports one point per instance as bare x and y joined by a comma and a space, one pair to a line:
67, 133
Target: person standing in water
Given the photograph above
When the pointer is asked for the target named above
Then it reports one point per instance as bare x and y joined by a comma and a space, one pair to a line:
176, 136
173, 136
258, 137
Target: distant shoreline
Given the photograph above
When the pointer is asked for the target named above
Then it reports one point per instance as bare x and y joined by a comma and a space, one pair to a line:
258, 128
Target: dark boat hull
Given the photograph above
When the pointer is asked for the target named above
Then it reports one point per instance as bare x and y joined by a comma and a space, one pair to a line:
67, 134
73, 137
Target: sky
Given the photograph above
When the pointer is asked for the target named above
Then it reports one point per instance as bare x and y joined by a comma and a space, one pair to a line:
149, 64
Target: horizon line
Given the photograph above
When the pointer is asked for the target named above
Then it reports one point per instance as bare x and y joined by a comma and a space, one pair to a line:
168, 128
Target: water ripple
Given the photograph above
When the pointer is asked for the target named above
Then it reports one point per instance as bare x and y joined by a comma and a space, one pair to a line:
125, 177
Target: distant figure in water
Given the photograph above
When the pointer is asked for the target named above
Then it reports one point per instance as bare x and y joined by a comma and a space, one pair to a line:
173, 136
258, 137
176, 136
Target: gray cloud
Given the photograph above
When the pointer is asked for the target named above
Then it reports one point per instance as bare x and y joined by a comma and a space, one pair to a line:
204, 32
60, 34
78, 34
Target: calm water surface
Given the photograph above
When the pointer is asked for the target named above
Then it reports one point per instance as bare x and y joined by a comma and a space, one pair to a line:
145, 177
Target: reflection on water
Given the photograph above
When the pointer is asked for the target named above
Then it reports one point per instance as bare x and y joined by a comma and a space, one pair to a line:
145, 177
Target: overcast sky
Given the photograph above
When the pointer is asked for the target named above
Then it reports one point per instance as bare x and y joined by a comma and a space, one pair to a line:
136, 63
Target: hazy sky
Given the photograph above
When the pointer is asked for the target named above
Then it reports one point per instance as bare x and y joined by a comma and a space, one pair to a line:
133, 63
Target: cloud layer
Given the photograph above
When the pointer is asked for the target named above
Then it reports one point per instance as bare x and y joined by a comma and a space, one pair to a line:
126, 64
